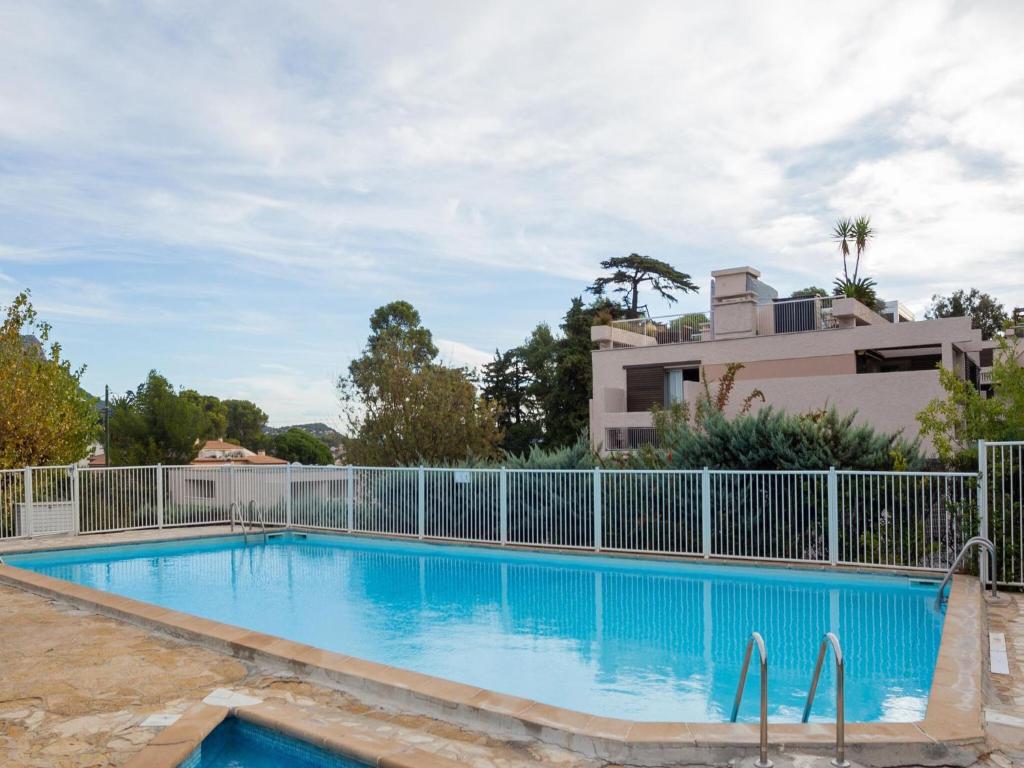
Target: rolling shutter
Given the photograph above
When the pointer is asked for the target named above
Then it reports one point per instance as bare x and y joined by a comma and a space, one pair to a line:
645, 388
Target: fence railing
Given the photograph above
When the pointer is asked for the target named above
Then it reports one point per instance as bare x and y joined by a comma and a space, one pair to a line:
907, 520
796, 316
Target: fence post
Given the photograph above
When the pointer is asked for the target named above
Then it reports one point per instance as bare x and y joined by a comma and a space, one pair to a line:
597, 509
288, 495
75, 499
231, 485
503, 505
421, 502
351, 500
705, 512
983, 506
159, 495
833, 516
29, 515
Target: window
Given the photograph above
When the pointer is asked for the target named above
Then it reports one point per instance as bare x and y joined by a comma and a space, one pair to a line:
202, 489
898, 359
662, 385
674, 378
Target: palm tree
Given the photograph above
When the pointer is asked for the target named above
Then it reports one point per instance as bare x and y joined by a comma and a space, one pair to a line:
862, 232
856, 232
843, 233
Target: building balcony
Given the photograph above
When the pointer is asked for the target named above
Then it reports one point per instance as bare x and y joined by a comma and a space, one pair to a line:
740, 317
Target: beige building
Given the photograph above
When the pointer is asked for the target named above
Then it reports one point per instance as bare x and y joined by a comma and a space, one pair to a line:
803, 354
218, 452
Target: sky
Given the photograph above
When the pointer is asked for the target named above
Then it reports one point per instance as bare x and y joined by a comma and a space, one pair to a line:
225, 191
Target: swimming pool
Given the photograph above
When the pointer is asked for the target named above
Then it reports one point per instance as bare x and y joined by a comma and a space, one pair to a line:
238, 744
620, 637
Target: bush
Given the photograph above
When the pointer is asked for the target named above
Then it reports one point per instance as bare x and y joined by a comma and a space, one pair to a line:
771, 439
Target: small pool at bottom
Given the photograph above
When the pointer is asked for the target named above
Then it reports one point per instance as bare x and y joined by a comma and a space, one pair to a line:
238, 744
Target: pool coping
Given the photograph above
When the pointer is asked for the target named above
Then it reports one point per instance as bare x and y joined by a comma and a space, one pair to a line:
951, 732
174, 744
167, 535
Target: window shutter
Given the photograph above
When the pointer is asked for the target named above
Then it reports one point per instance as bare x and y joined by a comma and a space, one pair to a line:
645, 388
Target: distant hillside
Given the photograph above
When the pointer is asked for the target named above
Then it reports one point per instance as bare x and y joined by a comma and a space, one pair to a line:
318, 429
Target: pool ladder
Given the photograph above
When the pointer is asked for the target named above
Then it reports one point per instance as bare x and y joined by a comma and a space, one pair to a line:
756, 640
830, 639
241, 520
974, 541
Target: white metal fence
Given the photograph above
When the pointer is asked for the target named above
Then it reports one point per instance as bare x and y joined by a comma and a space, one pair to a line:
1002, 505
910, 520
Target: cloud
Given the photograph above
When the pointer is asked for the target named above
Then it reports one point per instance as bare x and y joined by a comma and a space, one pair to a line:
290, 397
457, 354
274, 176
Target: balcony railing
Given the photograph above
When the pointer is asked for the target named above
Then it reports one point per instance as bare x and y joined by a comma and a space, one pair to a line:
772, 318
796, 316
670, 329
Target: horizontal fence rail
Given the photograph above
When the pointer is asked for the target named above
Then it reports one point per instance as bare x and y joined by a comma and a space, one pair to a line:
901, 520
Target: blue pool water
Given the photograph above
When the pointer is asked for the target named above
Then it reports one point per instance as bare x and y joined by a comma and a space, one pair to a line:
238, 744
621, 637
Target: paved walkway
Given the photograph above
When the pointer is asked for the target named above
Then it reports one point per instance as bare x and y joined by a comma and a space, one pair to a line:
1004, 711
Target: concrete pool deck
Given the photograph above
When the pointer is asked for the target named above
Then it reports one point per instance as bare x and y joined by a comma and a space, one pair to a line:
951, 733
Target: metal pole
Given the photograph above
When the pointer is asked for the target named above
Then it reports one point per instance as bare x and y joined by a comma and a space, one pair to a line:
503, 509
421, 502
705, 512
75, 505
159, 496
288, 495
350, 501
597, 509
762, 651
839, 761
983, 504
833, 516
29, 526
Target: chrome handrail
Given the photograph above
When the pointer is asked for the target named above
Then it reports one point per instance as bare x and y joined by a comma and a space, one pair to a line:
839, 761
241, 521
974, 541
262, 518
755, 638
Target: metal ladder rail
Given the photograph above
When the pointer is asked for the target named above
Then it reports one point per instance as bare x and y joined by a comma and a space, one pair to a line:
974, 541
839, 761
762, 652
241, 521
262, 518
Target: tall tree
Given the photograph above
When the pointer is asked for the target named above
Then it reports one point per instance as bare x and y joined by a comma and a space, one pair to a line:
45, 416
628, 273
518, 382
396, 331
297, 445
402, 407
155, 425
567, 406
214, 411
505, 384
244, 424
986, 313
